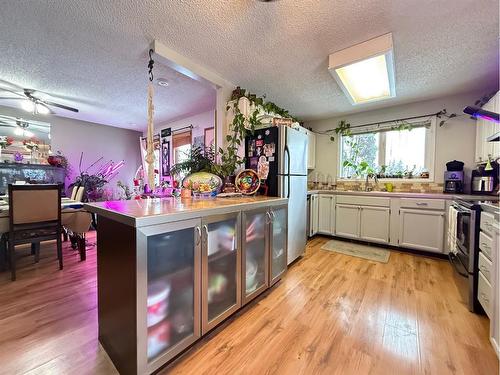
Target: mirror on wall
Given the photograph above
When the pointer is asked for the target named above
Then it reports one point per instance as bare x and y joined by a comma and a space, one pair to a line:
24, 141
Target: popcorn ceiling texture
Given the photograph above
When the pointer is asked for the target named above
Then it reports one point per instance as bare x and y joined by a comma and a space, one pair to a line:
94, 52
399, 187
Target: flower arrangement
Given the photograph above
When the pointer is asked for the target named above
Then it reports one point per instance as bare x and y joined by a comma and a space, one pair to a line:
93, 182
31, 144
18, 157
59, 160
5, 141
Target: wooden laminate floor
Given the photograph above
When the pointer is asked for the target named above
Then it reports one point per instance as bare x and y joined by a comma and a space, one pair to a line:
332, 314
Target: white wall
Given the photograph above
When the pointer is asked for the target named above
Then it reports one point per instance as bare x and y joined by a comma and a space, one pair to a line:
455, 140
72, 137
199, 122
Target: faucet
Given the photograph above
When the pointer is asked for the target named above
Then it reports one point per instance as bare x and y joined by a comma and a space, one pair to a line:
368, 176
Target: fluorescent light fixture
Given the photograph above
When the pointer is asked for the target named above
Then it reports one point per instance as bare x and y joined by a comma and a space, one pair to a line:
365, 72
43, 110
28, 105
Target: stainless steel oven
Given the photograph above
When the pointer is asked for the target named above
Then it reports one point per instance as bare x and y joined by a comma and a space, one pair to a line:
465, 259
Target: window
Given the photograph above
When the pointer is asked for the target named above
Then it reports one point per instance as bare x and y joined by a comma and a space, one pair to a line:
388, 153
181, 146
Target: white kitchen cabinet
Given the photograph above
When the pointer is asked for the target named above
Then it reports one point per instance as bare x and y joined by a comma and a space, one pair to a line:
421, 229
326, 214
374, 224
367, 223
489, 274
347, 220
311, 150
487, 150
313, 214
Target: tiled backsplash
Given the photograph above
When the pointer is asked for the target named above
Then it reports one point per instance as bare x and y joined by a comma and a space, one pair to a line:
405, 186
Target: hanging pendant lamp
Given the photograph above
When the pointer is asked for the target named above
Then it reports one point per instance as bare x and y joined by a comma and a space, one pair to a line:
150, 155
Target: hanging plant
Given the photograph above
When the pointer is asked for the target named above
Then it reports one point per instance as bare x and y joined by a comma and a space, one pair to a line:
343, 128
445, 116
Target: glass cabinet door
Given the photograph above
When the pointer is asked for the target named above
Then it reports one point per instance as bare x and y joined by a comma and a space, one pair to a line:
278, 243
221, 269
171, 254
255, 254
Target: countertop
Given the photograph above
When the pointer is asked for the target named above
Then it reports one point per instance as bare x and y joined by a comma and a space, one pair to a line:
492, 207
143, 212
407, 195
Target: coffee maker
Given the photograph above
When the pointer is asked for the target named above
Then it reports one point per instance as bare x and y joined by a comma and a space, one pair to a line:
454, 177
485, 180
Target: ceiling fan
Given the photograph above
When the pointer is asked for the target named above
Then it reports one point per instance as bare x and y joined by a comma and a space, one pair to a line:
33, 103
22, 126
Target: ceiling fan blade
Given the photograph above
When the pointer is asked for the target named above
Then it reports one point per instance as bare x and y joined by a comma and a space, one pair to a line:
59, 106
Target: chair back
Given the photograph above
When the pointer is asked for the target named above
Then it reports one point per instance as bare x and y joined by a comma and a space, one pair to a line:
73, 192
79, 194
31, 204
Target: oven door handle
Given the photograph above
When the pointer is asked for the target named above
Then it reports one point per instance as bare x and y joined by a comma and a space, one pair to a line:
451, 257
462, 211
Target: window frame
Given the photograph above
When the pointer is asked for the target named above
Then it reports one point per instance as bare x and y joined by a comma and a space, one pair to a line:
430, 154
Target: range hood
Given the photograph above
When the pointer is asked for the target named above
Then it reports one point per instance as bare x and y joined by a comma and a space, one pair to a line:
482, 113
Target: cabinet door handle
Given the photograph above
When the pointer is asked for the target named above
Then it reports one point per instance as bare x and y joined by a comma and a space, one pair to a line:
486, 299
198, 235
268, 218
205, 229
484, 244
421, 204
273, 215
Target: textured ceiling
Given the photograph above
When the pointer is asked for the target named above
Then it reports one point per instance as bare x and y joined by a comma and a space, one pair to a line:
94, 52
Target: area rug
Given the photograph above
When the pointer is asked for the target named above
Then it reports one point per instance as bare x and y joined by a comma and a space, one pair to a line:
357, 250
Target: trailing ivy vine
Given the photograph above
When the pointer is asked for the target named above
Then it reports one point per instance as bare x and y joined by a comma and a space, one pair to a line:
240, 127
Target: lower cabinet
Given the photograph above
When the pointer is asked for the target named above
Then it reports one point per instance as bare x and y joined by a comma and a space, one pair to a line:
220, 269
367, 223
374, 224
421, 229
278, 243
326, 214
313, 215
264, 249
347, 220
255, 254
169, 303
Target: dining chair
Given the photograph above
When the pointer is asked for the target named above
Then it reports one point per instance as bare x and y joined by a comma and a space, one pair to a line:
73, 192
34, 216
79, 194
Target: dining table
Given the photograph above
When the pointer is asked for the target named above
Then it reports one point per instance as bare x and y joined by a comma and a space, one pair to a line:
74, 218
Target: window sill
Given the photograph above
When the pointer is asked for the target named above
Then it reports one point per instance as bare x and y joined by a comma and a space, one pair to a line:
418, 180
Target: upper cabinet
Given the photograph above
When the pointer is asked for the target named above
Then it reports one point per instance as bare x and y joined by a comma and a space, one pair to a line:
487, 150
311, 150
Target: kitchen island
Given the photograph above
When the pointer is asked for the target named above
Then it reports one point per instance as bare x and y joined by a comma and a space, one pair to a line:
170, 270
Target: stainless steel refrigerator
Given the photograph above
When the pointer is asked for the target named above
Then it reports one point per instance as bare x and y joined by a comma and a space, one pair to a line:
279, 155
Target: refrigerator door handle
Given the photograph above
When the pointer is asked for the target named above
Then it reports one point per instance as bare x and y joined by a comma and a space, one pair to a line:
287, 151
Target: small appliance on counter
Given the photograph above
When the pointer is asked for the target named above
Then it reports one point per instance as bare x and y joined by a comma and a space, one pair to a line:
485, 179
454, 177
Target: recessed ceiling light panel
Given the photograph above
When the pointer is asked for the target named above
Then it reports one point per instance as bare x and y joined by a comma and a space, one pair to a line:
365, 72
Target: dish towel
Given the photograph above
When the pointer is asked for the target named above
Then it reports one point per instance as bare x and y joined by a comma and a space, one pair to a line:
452, 230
